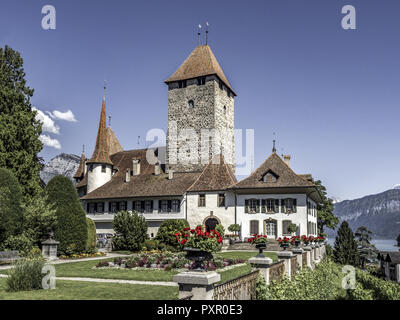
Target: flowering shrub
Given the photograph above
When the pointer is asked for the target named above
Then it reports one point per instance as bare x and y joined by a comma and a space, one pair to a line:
295, 239
319, 239
258, 239
306, 240
197, 238
283, 240
166, 261
83, 255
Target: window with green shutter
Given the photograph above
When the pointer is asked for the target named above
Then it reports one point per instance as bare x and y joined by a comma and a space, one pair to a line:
263, 206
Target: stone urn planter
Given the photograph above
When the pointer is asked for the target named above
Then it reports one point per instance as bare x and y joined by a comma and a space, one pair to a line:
284, 245
261, 247
198, 256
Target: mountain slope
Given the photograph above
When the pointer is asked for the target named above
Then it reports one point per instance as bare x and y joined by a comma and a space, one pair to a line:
380, 213
64, 164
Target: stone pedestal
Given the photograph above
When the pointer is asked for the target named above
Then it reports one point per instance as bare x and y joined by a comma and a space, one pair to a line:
308, 249
263, 265
299, 256
197, 283
286, 256
49, 249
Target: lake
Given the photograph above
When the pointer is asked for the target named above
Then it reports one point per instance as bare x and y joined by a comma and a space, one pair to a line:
380, 244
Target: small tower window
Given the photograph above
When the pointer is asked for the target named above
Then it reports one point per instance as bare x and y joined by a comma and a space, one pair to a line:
103, 168
182, 84
221, 86
191, 104
224, 110
201, 81
91, 168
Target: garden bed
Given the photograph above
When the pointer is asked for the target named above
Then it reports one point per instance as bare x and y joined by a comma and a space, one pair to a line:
166, 261
83, 256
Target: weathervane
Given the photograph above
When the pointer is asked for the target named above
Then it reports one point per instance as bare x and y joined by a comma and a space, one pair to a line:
105, 86
207, 32
198, 35
273, 147
83, 148
109, 121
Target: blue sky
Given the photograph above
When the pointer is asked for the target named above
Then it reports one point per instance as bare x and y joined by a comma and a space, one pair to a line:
331, 95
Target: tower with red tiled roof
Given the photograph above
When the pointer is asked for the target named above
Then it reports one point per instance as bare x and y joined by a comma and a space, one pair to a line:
200, 113
100, 166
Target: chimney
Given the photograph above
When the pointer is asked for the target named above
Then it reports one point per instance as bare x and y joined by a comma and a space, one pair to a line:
157, 169
286, 158
170, 174
128, 175
136, 167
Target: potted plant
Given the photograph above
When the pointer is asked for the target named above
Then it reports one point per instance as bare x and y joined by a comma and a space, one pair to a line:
261, 243
295, 240
199, 245
284, 242
233, 228
305, 239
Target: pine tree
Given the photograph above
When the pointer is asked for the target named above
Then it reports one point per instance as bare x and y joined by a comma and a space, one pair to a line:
19, 130
345, 247
71, 229
366, 250
11, 213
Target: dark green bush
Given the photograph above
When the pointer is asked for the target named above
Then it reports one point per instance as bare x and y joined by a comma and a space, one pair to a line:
130, 231
11, 213
91, 236
71, 226
167, 230
151, 245
27, 275
21, 243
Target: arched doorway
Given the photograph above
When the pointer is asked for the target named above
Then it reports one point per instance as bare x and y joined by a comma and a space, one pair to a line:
210, 224
271, 228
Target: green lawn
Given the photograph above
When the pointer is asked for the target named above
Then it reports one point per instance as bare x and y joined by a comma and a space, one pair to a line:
77, 290
246, 255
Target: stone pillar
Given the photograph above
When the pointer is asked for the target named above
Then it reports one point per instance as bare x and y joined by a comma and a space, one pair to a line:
398, 272
263, 265
286, 257
299, 256
199, 284
49, 249
308, 249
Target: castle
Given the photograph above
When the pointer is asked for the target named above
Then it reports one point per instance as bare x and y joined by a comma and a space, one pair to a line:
191, 180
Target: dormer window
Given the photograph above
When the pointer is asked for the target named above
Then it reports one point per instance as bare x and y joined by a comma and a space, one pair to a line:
191, 104
270, 177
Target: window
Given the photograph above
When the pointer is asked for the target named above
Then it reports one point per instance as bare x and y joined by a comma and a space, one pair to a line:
182, 84
163, 206
224, 110
270, 177
122, 206
252, 206
253, 226
92, 207
221, 86
285, 225
175, 205
191, 104
100, 207
103, 168
137, 205
201, 81
91, 168
113, 207
221, 200
272, 206
148, 206
202, 200
289, 205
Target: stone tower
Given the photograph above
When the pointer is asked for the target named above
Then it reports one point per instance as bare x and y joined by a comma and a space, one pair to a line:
199, 97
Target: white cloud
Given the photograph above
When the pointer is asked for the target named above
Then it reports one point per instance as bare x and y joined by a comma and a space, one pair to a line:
66, 116
49, 142
48, 123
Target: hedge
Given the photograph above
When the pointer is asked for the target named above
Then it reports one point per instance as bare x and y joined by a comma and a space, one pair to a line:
91, 236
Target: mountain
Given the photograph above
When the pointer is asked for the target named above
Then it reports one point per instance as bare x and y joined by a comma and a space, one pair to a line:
380, 213
64, 164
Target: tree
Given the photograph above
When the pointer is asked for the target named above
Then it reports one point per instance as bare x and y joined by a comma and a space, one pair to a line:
19, 130
11, 212
91, 236
366, 250
234, 228
167, 230
39, 218
345, 247
292, 228
325, 216
71, 230
130, 231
